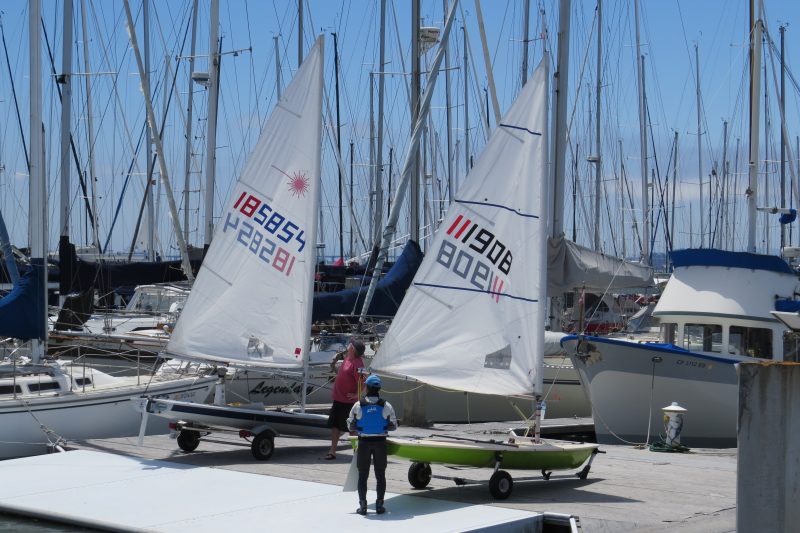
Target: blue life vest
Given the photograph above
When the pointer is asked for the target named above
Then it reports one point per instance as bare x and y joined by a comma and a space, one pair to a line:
372, 421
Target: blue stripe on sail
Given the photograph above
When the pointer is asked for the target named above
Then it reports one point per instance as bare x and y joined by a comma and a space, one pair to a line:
520, 128
493, 293
525, 215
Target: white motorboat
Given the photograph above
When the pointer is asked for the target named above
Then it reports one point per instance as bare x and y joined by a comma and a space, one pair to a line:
715, 312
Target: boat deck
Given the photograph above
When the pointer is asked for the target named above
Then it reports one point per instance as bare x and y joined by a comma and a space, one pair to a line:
627, 489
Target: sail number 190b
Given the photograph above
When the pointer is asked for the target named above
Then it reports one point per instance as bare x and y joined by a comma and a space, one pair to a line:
482, 241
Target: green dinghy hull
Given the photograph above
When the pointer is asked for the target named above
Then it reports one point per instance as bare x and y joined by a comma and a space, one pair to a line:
524, 455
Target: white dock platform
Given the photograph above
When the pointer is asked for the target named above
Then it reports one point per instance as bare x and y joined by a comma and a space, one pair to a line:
122, 493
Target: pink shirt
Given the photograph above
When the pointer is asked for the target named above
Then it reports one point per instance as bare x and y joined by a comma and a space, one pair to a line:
347, 380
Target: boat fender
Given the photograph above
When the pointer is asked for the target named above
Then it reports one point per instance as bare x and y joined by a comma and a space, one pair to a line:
372, 421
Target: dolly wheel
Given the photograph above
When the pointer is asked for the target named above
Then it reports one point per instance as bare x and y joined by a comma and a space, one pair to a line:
501, 485
419, 475
263, 445
188, 441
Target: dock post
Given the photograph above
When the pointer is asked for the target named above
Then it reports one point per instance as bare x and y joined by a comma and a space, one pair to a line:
768, 464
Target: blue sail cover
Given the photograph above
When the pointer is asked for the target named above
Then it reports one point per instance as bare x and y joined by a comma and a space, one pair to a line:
388, 294
22, 313
724, 258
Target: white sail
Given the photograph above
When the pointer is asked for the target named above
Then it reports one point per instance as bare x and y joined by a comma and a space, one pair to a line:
474, 317
251, 302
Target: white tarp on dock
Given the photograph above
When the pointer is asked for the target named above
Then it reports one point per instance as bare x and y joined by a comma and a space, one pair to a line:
121, 493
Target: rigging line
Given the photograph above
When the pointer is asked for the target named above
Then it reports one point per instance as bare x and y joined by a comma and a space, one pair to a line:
789, 154
248, 132
252, 63
14, 94
578, 93
342, 169
81, 179
401, 54
139, 142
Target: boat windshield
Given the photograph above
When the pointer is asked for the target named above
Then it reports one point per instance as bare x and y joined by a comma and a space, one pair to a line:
157, 300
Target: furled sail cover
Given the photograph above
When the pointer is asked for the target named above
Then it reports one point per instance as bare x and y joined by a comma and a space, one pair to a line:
574, 267
22, 314
473, 318
251, 301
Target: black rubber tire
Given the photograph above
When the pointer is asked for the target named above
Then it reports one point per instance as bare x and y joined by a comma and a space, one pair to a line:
188, 440
501, 484
419, 475
263, 445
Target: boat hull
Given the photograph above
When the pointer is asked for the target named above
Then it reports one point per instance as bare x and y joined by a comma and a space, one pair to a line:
252, 417
522, 455
93, 414
629, 383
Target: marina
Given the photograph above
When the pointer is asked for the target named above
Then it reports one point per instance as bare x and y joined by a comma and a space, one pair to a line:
515, 304
627, 489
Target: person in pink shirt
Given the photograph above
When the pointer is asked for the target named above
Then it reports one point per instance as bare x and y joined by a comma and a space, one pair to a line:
345, 392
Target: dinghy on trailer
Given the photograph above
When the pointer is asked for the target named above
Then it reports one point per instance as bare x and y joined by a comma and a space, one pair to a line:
473, 319
250, 306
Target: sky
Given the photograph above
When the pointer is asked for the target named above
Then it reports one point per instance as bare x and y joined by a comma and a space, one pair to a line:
670, 30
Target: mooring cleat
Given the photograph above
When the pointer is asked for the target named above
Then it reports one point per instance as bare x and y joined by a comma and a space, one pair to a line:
379, 508
362, 508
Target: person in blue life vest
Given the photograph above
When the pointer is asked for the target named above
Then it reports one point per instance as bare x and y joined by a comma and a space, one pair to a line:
371, 419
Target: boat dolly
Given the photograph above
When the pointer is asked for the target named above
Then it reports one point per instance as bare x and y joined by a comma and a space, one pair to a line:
501, 484
260, 439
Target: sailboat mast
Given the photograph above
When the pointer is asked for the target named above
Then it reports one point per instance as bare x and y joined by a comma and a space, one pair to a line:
313, 227
299, 33
66, 124
187, 162
277, 68
559, 139
448, 121
37, 199
724, 196
416, 83
672, 207
755, 90
338, 141
148, 136
598, 157
488, 66
642, 143
526, 14
379, 147
466, 104
89, 125
559, 129
211, 129
699, 146
782, 30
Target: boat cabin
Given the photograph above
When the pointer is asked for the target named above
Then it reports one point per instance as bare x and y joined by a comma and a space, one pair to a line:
719, 302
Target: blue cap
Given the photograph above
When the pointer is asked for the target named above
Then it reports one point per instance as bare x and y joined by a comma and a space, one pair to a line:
373, 381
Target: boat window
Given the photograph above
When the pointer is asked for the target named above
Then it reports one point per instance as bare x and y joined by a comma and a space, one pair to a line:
755, 342
702, 337
46, 386
10, 389
668, 332
83, 381
791, 346
155, 300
